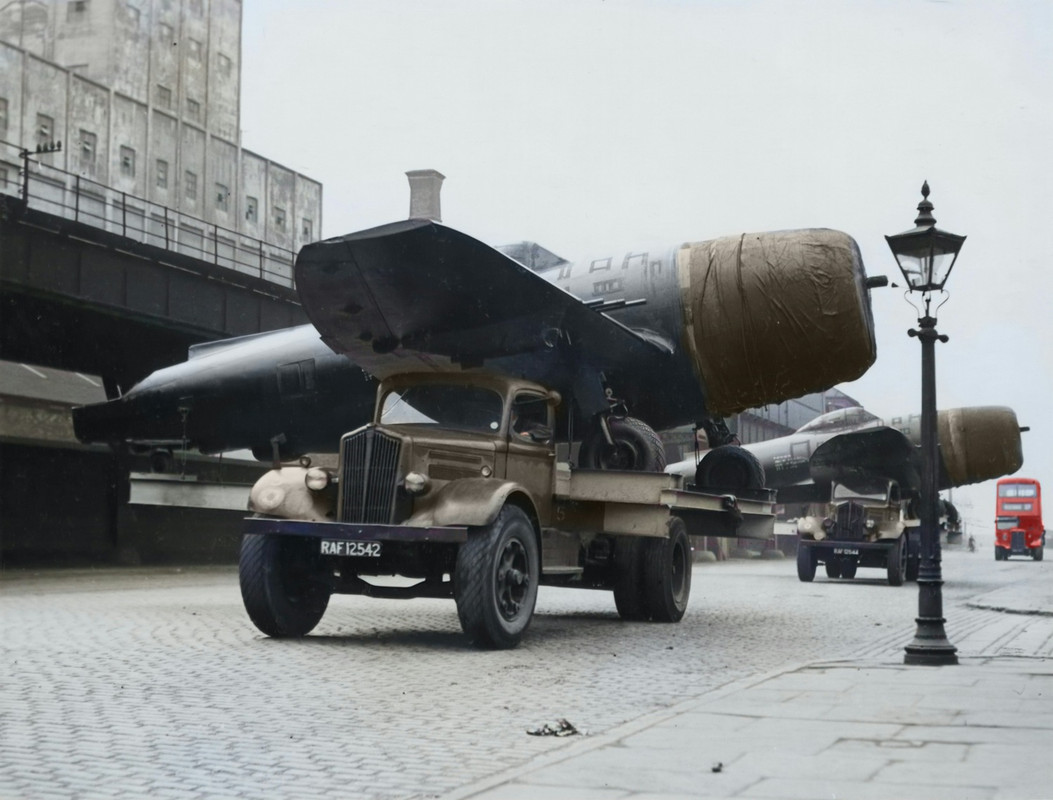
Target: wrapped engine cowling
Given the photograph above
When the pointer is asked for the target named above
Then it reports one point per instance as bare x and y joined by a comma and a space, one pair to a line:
979, 443
772, 316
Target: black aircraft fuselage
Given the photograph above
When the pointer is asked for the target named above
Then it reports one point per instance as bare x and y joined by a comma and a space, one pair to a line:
690, 333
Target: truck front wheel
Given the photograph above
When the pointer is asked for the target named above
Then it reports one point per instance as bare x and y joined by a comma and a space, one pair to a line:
628, 579
277, 585
497, 576
897, 561
806, 562
1036, 552
666, 574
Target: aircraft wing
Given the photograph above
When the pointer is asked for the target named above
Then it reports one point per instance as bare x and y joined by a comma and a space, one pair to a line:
416, 295
876, 452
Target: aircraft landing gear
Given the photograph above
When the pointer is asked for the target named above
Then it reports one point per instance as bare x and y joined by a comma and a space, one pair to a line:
622, 442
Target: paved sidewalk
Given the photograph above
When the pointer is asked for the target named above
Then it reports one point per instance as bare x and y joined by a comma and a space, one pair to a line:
848, 729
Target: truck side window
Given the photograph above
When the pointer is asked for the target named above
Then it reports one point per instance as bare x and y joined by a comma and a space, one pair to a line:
530, 418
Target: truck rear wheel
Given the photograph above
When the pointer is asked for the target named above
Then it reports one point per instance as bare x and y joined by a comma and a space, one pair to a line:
848, 567
897, 561
666, 574
833, 567
806, 562
636, 447
628, 588
497, 576
277, 585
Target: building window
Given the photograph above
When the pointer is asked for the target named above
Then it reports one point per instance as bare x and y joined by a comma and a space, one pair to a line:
166, 34
222, 197
193, 109
279, 218
194, 49
88, 144
306, 229
76, 10
127, 162
3, 176
162, 174
3, 117
163, 96
45, 127
251, 209
224, 63
190, 185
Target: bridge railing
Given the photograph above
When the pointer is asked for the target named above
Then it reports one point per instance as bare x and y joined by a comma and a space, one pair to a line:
29, 176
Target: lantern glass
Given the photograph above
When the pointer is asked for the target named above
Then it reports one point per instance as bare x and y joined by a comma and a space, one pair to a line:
925, 256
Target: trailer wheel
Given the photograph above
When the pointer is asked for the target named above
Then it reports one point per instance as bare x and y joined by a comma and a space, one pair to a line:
666, 574
729, 468
833, 567
636, 447
848, 568
497, 575
278, 588
897, 561
628, 596
1036, 553
807, 560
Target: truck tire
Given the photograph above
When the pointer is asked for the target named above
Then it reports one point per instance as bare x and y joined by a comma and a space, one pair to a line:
277, 585
913, 557
897, 561
806, 562
1000, 553
628, 577
636, 447
833, 567
666, 574
848, 568
1036, 552
729, 468
496, 578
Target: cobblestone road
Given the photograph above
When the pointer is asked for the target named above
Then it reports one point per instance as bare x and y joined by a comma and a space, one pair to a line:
154, 683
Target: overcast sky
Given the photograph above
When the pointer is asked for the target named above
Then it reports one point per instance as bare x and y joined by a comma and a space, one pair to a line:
592, 126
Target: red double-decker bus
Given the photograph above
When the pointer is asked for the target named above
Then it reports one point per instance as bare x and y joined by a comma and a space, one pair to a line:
1018, 521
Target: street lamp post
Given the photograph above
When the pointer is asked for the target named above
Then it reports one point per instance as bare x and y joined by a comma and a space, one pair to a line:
926, 255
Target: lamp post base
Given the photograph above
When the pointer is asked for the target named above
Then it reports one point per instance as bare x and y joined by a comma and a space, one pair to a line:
930, 646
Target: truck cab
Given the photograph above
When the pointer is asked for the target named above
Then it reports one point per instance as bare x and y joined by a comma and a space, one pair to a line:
866, 523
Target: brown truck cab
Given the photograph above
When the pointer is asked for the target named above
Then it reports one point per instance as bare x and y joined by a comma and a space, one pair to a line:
455, 487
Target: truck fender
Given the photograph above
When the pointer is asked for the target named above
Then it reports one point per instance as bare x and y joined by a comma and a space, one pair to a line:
469, 501
283, 493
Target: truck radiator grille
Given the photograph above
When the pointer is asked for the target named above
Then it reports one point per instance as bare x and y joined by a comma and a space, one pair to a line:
851, 522
369, 462
1019, 543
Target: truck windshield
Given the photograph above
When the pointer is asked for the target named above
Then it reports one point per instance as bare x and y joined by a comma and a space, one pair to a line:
862, 490
465, 408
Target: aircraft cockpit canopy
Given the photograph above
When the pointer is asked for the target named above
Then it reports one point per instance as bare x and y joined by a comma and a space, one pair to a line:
841, 419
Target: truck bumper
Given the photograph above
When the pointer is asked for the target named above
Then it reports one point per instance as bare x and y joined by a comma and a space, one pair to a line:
355, 532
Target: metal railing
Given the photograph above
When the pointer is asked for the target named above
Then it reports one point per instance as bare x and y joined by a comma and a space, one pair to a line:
28, 175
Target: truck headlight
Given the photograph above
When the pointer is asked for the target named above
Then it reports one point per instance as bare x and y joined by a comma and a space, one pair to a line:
416, 483
806, 525
316, 479
871, 524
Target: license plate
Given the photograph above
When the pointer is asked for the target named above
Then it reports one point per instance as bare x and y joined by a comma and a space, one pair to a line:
342, 547
845, 551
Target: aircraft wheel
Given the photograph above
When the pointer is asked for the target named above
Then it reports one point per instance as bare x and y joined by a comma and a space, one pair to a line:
729, 467
497, 575
833, 567
848, 568
636, 447
897, 561
278, 588
628, 591
806, 562
1036, 553
666, 574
